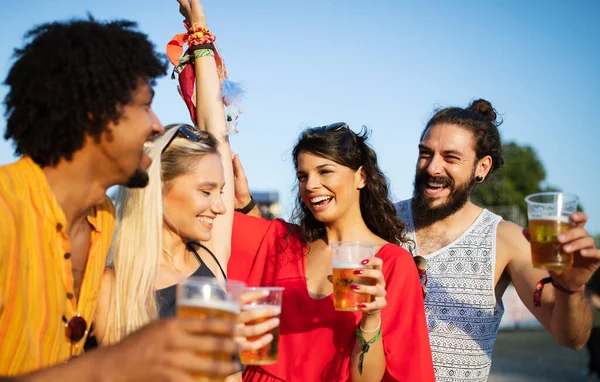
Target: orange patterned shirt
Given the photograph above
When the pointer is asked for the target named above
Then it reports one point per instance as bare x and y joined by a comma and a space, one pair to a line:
36, 279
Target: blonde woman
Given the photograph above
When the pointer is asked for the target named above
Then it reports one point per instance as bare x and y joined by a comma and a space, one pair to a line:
180, 224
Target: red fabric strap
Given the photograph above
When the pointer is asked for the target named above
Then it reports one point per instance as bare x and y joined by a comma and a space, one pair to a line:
539, 287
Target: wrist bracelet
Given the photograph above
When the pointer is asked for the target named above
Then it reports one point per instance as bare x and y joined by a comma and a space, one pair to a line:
366, 345
565, 290
370, 331
201, 53
248, 207
539, 287
201, 46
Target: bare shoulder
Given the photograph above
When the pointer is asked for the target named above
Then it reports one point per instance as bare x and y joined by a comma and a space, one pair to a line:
107, 278
510, 241
103, 307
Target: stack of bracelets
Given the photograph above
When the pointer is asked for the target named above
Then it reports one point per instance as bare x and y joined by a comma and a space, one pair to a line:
201, 43
200, 40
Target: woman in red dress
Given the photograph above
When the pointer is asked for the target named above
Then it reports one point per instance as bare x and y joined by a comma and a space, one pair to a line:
343, 195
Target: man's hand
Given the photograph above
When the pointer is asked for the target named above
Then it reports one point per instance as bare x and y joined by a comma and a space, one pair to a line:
173, 349
586, 255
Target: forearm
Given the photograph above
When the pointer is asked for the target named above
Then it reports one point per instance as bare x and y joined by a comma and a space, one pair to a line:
255, 212
373, 367
244, 202
91, 367
571, 319
210, 116
210, 113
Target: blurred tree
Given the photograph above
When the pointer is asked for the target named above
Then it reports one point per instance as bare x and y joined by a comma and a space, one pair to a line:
523, 174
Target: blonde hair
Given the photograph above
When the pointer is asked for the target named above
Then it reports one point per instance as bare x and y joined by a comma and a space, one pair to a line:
137, 247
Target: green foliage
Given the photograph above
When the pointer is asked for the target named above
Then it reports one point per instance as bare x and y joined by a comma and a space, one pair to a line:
523, 174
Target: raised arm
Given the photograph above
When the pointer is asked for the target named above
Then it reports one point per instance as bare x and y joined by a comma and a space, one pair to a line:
210, 116
564, 310
243, 199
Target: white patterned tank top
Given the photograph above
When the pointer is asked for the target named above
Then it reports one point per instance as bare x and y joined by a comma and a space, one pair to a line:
463, 315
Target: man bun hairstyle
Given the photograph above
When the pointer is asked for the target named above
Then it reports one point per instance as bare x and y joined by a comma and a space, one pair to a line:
481, 119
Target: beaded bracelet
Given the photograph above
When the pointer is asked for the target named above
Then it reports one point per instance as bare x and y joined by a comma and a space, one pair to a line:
198, 35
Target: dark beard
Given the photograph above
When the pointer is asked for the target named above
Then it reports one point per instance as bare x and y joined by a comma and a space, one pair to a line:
139, 179
423, 214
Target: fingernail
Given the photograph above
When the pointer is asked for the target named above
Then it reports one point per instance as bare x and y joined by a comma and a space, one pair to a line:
358, 272
584, 252
560, 237
355, 287
362, 306
567, 247
365, 262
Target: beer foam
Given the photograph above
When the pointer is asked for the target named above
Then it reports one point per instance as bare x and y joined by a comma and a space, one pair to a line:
558, 219
277, 308
346, 265
229, 306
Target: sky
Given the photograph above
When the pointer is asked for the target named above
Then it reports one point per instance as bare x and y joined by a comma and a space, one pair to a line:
383, 64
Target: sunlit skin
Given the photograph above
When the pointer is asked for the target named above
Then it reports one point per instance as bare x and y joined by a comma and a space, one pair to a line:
447, 151
193, 200
123, 142
328, 189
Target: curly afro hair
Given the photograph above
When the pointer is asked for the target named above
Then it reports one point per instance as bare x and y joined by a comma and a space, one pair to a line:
70, 80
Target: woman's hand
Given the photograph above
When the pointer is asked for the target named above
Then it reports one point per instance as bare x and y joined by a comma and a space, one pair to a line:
371, 310
193, 12
242, 190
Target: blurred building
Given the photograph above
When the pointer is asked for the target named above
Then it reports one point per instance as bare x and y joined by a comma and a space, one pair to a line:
516, 314
268, 201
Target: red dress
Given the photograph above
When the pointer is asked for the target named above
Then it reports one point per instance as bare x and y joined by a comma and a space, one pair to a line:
316, 341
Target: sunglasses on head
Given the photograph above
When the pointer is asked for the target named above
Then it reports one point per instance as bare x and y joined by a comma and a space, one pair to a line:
183, 131
75, 329
336, 126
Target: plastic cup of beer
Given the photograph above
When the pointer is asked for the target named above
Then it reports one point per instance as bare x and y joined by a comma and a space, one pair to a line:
204, 297
268, 354
346, 259
549, 216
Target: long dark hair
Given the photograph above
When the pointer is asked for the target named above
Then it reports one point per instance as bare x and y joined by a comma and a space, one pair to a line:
343, 146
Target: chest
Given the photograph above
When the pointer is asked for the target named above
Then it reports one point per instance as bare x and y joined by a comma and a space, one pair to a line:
80, 249
431, 241
170, 274
318, 274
